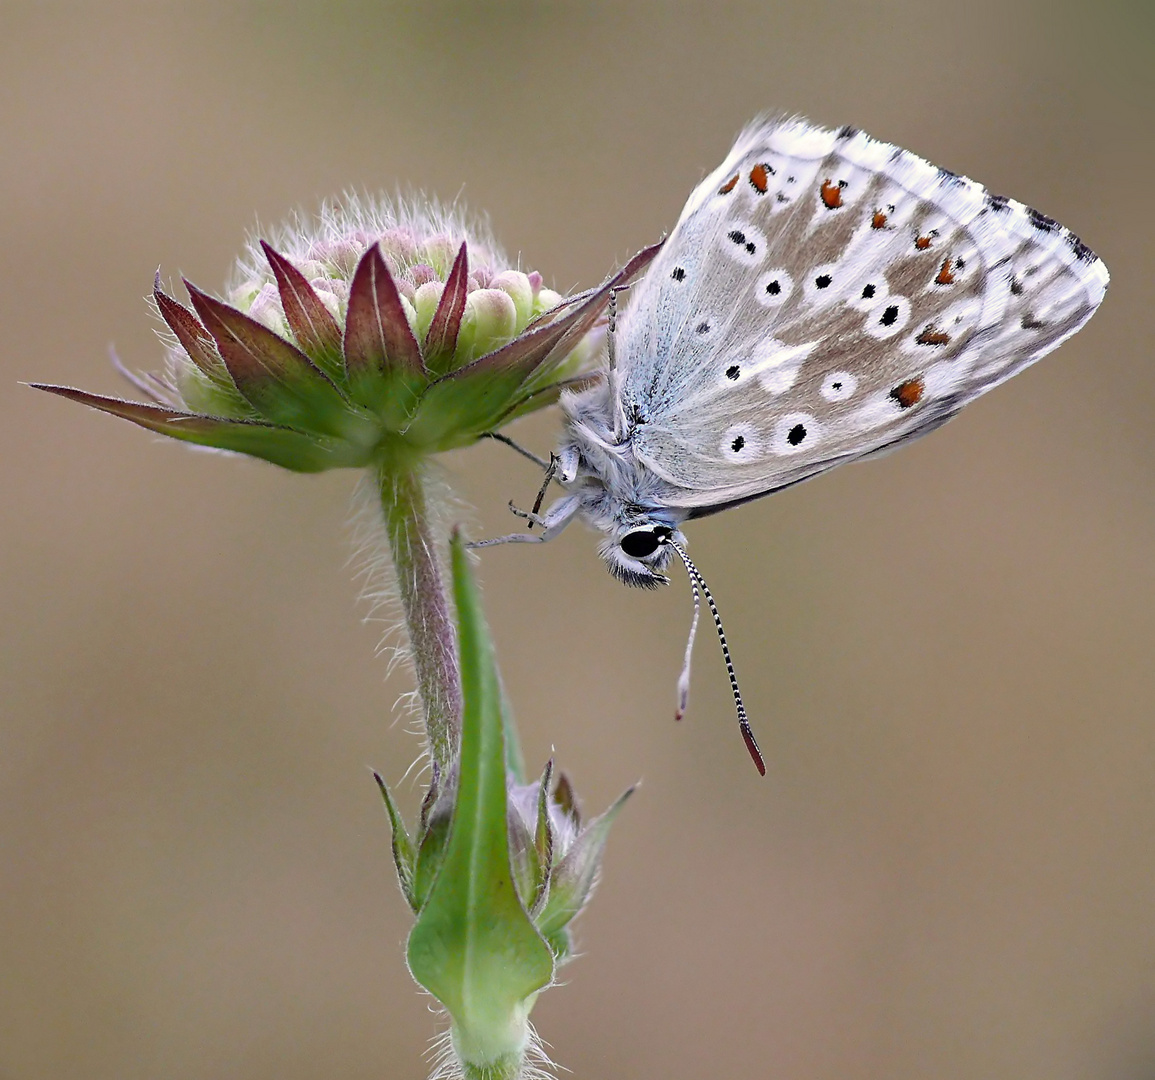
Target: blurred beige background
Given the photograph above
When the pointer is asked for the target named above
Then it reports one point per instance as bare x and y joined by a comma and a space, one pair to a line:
949, 871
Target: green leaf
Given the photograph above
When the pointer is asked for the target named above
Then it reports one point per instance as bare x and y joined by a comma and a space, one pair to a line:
473, 947
514, 759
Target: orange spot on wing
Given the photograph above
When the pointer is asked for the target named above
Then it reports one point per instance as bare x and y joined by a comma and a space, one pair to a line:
932, 336
909, 393
922, 242
945, 274
878, 221
728, 186
831, 194
760, 178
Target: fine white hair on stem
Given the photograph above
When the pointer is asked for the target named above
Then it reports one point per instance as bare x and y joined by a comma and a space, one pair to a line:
536, 1063
442, 1059
373, 569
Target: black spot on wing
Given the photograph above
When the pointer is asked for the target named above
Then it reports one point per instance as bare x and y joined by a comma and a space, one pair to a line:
737, 236
997, 203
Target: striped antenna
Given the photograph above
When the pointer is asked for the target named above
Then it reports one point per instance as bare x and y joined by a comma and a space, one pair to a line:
699, 582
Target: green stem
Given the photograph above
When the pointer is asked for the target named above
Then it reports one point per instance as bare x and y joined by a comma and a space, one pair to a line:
432, 638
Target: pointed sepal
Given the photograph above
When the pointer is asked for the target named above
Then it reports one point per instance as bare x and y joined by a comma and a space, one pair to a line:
290, 449
543, 842
574, 878
273, 375
193, 337
377, 332
313, 326
154, 387
441, 338
404, 855
567, 801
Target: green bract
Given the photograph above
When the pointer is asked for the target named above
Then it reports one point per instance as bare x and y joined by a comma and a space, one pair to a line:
382, 339
497, 871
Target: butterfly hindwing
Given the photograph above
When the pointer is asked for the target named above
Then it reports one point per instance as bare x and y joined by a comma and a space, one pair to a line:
825, 296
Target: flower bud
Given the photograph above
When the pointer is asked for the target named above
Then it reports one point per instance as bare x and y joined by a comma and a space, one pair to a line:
426, 298
517, 287
490, 318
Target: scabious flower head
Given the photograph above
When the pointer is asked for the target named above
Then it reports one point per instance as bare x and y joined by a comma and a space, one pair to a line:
379, 329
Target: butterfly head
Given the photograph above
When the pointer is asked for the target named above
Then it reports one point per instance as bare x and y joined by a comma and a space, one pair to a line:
638, 553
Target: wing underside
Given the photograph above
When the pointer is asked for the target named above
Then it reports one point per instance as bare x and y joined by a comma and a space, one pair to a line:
825, 296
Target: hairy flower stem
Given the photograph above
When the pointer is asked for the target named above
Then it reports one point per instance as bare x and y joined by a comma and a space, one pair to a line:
432, 639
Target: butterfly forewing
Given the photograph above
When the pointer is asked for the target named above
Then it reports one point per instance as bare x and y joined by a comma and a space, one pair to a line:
825, 296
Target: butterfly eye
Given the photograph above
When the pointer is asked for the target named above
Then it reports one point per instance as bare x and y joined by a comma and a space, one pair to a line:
640, 543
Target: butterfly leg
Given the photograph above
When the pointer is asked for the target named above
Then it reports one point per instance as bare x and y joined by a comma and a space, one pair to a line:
550, 473
556, 518
498, 437
532, 516
551, 467
512, 538
611, 328
612, 356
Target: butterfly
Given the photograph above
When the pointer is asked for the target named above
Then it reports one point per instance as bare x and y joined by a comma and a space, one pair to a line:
823, 298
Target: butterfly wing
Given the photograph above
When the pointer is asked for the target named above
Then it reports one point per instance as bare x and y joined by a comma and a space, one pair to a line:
825, 296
